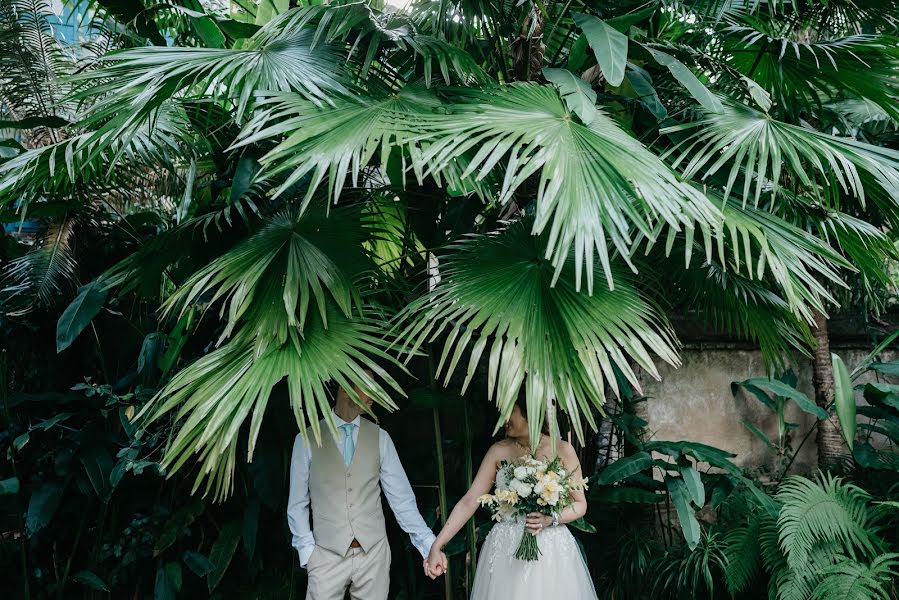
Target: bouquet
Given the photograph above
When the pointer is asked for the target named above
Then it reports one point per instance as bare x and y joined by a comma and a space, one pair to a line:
529, 485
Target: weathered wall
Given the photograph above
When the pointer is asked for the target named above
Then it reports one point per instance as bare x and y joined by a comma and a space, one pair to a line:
694, 402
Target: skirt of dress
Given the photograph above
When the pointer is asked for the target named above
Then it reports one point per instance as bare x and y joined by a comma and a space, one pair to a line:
559, 573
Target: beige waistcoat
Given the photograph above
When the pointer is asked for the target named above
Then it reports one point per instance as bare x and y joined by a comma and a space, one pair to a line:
346, 500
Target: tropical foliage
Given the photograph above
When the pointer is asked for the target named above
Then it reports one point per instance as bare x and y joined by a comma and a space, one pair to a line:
482, 197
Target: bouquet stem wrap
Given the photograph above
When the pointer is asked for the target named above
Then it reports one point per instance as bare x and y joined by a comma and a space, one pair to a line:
528, 548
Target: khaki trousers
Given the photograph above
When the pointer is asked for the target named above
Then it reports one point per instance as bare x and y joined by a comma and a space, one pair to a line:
366, 574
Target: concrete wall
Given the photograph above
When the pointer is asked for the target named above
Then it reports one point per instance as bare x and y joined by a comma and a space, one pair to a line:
694, 402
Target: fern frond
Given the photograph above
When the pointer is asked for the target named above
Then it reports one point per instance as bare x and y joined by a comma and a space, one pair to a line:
849, 579
35, 278
820, 512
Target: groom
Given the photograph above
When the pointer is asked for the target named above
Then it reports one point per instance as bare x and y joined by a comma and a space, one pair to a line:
347, 544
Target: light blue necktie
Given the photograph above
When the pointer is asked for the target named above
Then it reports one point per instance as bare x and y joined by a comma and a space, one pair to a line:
349, 446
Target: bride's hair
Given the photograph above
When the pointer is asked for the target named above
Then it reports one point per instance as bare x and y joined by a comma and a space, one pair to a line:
522, 403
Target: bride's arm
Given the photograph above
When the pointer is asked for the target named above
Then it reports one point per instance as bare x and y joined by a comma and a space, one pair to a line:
468, 505
578, 507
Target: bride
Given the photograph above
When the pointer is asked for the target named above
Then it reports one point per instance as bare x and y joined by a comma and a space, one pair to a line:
560, 571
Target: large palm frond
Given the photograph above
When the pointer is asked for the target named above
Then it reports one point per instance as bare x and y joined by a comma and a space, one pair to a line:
766, 151
282, 56
271, 280
498, 290
758, 245
214, 396
291, 311
340, 142
745, 308
596, 183
807, 75
64, 168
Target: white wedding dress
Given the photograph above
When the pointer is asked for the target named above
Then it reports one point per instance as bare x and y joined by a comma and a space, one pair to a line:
559, 573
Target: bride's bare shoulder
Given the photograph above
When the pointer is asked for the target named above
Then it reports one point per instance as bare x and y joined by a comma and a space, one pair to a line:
502, 449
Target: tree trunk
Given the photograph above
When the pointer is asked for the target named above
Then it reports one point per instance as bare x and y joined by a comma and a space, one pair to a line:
528, 49
831, 451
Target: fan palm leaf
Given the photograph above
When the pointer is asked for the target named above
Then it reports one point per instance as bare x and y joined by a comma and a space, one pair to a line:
282, 56
271, 279
62, 168
596, 186
342, 141
805, 75
758, 147
213, 397
596, 183
498, 290
758, 245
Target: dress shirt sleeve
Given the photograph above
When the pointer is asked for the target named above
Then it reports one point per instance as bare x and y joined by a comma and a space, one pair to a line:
298, 501
401, 498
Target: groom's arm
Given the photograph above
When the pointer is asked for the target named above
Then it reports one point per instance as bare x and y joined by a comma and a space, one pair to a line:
401, 498
298, 501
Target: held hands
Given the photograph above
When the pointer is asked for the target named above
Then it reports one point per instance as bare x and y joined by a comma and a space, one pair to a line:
436, 564
536, 522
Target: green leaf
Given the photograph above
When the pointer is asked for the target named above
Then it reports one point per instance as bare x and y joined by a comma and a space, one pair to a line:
685, 76
177, 524
20, 441
752, 147
535, 332
887, 368
624, 22
844, 399
680, 496
223, 551
781, 389
622, 494
198, 563
32, 122
246, 169
91, 580
168, 582
582, 525
609, 45
624, 468
759, 434
250, 526
150, 351
577, 93
577, 54
98, 467
42, 505
53, 421
80, 312
9, 486
882, 394
869, 457
646, 92
694, 484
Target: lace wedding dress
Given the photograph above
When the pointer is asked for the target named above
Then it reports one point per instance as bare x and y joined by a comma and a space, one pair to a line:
560, 572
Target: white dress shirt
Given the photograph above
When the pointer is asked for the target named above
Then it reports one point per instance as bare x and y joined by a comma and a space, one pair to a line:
394, 483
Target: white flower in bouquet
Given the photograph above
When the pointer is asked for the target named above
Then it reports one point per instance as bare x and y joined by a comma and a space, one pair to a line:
523, 489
